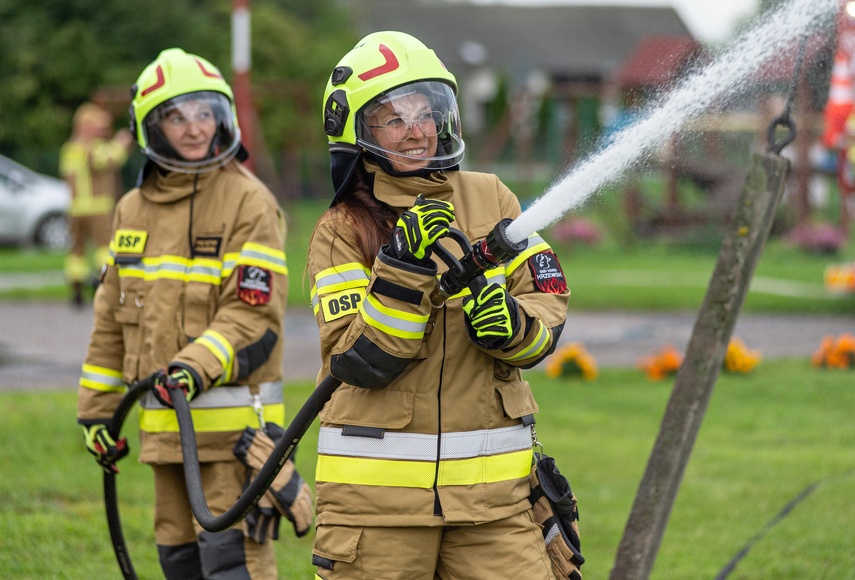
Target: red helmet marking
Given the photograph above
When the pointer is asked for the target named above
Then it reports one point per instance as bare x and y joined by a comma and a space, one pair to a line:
157, 84
206, 72
388, 66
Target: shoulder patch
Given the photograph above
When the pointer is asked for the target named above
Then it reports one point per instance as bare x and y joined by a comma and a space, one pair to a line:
547, 273
254, 285
130, 241
334, 306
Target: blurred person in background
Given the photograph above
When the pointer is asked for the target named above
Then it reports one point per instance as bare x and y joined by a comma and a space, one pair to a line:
89, 162
194, 293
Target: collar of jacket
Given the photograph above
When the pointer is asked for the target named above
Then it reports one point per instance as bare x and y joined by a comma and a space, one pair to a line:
402, 191
172, 186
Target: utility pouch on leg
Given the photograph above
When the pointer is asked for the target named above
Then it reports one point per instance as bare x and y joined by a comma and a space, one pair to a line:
555, 509
289, 495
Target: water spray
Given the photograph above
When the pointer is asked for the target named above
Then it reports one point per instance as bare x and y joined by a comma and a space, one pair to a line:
699, 92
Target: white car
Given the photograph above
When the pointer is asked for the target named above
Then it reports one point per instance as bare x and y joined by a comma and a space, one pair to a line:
32, 207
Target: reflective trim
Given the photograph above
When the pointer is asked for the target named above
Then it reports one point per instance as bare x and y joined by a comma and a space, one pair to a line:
536, 244
496, 275
179, 268
210, 420
224, 397
391, 321
415, 474
422, 447
222, 350
252, 254
102, 379
338, 278
534, 348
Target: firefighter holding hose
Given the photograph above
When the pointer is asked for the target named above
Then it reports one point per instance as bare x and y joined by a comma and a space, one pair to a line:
425, 450
195, 285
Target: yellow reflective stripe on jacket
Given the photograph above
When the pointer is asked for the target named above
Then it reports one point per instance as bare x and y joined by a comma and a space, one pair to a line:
210, 420
338, 278
409, 459
421, 474
535, 348
222, 349
102, 379
220, 409
252, 254
392, 321
149, 269
536, 244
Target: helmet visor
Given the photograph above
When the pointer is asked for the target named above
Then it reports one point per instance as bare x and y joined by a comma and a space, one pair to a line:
192, 133
414, 126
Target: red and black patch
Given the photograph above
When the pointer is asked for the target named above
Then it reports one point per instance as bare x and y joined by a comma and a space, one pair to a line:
254, 285
547, 273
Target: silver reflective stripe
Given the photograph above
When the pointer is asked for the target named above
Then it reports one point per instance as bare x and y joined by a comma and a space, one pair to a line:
554, 532
393, 321
224, 397
422, 447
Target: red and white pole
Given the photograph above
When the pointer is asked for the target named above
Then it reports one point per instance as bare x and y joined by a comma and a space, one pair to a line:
241, 64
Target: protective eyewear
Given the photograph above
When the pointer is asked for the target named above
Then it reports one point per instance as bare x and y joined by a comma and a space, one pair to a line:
397, 129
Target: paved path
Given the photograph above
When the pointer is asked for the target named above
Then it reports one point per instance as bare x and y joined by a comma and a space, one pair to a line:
43, 344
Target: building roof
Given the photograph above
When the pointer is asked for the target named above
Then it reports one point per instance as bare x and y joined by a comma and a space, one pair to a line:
566, 42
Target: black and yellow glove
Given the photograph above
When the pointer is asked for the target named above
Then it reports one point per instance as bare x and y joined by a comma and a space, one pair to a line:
420, 227
179, 379
492, 317
100, 443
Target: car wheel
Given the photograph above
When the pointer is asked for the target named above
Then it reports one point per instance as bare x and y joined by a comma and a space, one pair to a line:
52, 233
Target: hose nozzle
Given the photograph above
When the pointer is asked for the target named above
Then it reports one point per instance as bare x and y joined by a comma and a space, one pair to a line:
488, 253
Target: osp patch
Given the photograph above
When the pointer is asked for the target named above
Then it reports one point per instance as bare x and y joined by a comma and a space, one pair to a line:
547, 273
254, 285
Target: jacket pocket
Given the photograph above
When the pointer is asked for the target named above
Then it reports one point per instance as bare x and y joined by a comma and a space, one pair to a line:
369, 408
198, 307
517, 399
335, 544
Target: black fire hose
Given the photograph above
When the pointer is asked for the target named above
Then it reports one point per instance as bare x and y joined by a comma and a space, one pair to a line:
467, 272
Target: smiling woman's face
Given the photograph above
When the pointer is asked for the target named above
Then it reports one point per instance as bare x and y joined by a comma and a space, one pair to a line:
395, 128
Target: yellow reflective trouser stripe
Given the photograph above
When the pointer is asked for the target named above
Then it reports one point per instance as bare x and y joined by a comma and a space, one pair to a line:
536, 347
210, 420
536, 244
421, 474
101, 379
391, 321
338, 278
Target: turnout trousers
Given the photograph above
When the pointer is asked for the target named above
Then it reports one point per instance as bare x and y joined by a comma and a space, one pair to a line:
186, 550
510, 548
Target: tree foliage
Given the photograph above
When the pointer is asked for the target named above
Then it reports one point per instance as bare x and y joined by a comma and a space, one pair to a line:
56, 54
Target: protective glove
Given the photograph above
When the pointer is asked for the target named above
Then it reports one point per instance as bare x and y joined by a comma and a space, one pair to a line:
492, 317
289, 495
100, 443
179, 378
420, 227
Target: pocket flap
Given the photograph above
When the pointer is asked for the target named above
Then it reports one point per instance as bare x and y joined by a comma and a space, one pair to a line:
517, 400
337, 543
369, 408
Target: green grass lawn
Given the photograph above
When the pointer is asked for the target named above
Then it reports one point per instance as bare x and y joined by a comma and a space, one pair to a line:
766, 437
654, 274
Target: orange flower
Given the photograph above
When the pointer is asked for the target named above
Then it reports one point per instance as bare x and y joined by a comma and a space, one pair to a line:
662, 364
738, 359
571, 360
836, 353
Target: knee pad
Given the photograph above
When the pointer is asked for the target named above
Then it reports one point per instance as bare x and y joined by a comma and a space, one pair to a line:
180, 562
223, 555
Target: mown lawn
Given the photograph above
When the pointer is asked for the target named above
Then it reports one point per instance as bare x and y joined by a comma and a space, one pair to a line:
767, 436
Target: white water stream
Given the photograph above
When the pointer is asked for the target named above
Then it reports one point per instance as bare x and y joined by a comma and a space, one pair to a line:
711, 86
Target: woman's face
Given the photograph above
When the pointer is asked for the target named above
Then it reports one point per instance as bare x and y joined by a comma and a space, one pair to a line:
189, 128
396, 127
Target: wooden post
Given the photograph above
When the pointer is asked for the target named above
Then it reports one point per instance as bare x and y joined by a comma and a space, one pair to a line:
696, 378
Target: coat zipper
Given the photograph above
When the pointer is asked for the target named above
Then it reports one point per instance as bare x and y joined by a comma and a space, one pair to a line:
437, 506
